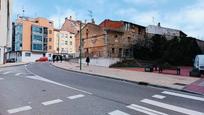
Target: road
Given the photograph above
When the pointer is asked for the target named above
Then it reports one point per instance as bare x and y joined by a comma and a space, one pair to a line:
42, 89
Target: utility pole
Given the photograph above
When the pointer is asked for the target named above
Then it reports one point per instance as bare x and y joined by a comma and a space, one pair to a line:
80, 45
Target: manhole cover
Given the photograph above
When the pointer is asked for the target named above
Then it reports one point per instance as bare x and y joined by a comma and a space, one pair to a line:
43, 90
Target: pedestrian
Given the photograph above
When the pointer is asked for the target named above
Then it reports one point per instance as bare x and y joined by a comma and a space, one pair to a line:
88, 60
61, 58
53, 58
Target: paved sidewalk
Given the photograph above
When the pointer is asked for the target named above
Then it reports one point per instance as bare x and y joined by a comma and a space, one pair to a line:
167, 81
12, 64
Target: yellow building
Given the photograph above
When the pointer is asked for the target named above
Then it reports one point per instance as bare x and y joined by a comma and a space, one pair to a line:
33, 38
64, 42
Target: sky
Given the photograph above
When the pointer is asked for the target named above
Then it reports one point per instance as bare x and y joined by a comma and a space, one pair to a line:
185, 15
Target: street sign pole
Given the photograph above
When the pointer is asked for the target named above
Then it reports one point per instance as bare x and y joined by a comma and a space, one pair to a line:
80, 46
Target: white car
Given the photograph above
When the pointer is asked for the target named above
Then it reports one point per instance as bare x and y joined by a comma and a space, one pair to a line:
199, 63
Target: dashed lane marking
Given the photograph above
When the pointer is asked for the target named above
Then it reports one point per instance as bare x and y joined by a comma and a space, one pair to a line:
20, 109
75, 97
159, 96
118, 112
5, 73
18, 74
52, 102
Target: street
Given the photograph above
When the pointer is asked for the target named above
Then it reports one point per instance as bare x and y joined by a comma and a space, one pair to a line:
42, 89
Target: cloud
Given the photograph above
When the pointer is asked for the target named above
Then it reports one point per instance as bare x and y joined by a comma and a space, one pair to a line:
142, 18
59, 16
139, 2
188, 19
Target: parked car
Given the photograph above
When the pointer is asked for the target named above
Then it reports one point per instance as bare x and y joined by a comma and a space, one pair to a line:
199, 63
12, 60
198, 68
42, 59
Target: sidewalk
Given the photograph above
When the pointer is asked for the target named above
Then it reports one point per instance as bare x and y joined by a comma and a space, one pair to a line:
154, 79
11, 64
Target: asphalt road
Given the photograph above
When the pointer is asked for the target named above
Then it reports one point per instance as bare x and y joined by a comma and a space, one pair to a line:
42, 89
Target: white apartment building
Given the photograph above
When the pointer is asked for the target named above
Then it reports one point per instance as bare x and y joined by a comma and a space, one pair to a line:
6, 27
169, 33
64, 43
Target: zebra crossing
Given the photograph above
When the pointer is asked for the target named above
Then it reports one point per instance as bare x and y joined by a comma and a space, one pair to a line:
158, 101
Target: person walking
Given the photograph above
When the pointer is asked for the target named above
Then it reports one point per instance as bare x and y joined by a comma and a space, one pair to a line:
87, 60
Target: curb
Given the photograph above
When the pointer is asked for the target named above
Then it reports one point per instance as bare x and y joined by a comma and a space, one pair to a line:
135, 82
13, 65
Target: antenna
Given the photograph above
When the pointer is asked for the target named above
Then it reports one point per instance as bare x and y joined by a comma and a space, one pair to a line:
23, 11
153, 20
90, 13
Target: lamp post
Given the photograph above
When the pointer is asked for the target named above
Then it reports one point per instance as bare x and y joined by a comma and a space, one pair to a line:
80, 46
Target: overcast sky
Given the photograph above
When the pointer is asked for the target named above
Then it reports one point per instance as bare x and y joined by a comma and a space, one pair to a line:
186, 15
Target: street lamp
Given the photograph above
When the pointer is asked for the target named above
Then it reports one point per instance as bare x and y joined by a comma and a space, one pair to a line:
80, 45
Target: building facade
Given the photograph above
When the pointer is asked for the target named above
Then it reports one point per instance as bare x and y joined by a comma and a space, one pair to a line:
167, 32
64, 43
33, 38
6, 28
110, 39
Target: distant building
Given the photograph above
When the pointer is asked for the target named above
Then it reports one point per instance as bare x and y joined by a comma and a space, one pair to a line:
71, 25
64, 43
6, 28
110, 39
169, 33
33, 38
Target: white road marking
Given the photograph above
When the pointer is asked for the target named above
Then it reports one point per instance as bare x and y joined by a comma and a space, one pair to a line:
6, 72
52, 102
18, 74
1, 78
159, 96
36, 77
172, 107
75, 96
184, 96
118, 112
20, 109
145, 110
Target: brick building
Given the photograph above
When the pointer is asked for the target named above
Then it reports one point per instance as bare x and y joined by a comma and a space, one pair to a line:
110, 39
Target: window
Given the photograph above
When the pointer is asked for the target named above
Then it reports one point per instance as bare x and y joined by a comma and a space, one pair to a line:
36, 29
27, 54
70, 42
37, 47
66, 42
70, 36
50, 47
50, 39
113, 50
50, 31
45, 30
129, 39
116, 36
37, 38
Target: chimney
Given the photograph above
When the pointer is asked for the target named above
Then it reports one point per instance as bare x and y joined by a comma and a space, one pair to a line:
85, 21
70, 17
159, 24
93, 21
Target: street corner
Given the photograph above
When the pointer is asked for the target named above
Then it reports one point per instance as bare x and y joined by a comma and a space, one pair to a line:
196, 87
